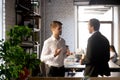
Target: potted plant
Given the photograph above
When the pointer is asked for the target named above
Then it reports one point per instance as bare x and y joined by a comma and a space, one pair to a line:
16, 62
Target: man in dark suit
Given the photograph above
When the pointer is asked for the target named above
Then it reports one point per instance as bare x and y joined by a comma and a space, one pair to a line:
97, 55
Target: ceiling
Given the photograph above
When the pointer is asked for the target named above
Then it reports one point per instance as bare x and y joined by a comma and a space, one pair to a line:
99, 12
96, 2
95, 9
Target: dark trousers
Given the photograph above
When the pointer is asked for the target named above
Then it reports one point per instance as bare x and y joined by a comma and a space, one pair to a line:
56, 71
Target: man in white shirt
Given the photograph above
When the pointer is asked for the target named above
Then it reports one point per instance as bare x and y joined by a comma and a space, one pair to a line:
54, 51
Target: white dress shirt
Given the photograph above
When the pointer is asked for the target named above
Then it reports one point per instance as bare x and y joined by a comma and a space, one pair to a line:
93, 33
112, 54
48, 51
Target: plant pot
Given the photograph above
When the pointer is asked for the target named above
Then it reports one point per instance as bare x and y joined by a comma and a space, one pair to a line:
24, 74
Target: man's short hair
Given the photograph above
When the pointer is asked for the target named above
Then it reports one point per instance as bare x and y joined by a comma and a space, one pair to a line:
55, 23
95, 23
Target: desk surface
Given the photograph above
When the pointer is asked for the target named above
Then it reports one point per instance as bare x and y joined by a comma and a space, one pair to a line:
77, 65
80, 78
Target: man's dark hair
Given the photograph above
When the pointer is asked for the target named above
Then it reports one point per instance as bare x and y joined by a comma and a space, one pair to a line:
95, 23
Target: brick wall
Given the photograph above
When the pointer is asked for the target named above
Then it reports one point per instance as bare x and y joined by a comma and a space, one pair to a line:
61, 10
10, 14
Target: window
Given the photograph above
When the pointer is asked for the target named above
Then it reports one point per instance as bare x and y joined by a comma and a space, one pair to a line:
2, 19
84, 13
2, 22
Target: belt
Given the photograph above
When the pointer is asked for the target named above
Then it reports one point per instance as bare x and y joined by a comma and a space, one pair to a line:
57, 67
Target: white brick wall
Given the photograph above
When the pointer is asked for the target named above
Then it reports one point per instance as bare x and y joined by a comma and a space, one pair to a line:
10, 14
62, 10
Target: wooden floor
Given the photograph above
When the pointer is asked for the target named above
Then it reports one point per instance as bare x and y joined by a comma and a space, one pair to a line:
61, 78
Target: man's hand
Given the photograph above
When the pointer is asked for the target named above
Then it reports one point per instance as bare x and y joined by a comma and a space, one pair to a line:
57, 52
81, 61
82, 58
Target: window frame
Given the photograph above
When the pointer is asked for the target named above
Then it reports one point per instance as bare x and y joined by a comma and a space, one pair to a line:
2, 31
77, 28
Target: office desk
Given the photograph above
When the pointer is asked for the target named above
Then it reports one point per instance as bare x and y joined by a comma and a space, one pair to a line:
63, 78
76, 67
114, 67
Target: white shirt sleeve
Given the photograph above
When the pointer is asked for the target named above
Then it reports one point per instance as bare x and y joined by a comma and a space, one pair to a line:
45, 55
112, 54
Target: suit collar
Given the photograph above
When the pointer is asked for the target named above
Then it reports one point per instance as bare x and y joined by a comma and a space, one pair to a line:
93, 32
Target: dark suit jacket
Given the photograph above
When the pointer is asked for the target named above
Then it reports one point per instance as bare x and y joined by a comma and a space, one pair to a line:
97, 56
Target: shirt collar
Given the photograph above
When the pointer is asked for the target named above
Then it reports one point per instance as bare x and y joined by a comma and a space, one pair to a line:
53, 38
93, 32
